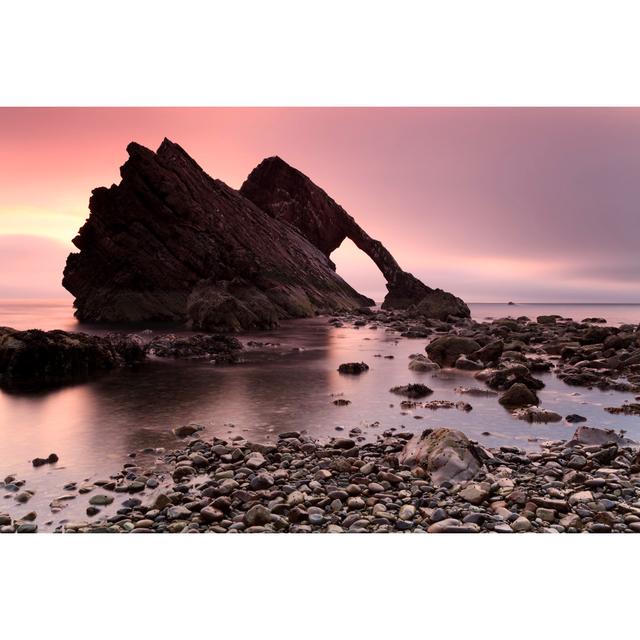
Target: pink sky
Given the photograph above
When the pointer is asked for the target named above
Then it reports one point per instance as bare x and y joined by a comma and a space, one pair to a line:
492, 204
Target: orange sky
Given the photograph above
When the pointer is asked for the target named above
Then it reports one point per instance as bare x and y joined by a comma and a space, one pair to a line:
492, 204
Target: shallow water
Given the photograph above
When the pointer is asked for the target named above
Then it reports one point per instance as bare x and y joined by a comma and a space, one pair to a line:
93, 427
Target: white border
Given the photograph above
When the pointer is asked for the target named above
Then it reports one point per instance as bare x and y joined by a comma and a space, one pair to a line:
326, 53
329, 53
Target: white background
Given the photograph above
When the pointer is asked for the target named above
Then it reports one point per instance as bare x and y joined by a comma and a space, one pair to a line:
318, 53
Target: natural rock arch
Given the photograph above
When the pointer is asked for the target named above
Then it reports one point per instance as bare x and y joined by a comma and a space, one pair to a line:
290, 196
170, 243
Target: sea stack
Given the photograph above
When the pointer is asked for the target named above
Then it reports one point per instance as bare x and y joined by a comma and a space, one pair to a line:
170, 243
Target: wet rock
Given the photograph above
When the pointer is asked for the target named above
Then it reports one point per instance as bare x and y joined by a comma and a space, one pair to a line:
536, 414
491, 352
630, 409
211, 514
353, 368
437, 304
220, 349
415, 390
100, 500
344, 443
518, 395
465, 364
187, 430
52, 458
178, 513
422, 365
445, 350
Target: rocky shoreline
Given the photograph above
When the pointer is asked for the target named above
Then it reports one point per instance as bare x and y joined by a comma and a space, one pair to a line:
438, 481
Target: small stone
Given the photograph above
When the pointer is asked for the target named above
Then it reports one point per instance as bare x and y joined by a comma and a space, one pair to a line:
577, 462
100, 500
407, 512
178, 513
475, 493
211, 514
257, 515
261, 482
547, 515
355, 503
521, 524
255, 460
343, 443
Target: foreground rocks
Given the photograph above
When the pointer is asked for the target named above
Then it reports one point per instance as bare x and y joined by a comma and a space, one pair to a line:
34, 359
438, 483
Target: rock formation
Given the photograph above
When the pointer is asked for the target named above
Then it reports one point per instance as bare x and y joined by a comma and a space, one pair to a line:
290, 196
37, 359
170, 243
34, 359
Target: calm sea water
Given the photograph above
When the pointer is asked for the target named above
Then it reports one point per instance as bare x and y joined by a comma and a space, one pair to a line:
93, 427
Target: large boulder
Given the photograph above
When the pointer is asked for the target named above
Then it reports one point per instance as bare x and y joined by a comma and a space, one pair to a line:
446, 454
445, 350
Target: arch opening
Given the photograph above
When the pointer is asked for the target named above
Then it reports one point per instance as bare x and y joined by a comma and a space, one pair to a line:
359, 270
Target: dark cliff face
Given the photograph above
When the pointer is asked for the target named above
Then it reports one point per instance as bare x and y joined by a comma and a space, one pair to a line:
170, 243
288, 195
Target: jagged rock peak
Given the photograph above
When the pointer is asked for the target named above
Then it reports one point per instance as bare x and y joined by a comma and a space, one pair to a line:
170, 243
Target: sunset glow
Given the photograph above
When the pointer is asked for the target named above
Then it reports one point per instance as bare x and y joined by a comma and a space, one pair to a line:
492, 204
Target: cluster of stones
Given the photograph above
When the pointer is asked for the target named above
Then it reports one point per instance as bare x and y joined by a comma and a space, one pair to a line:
439, 482
507, 353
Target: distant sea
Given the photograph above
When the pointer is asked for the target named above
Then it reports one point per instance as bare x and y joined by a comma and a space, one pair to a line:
58, 313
